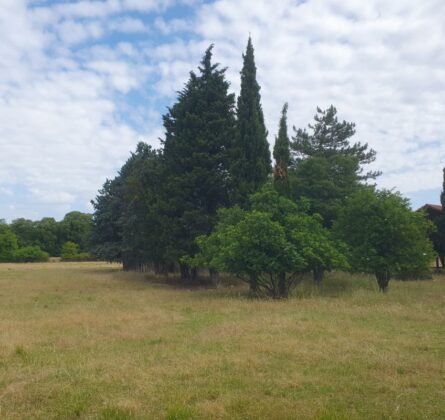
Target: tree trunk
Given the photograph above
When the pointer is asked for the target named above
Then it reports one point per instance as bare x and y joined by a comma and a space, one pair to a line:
383, 278
318, 273
194, 274
253, 283
283, 290
185, 272
214, 277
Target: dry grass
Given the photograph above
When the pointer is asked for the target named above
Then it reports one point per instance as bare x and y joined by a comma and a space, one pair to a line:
87, 340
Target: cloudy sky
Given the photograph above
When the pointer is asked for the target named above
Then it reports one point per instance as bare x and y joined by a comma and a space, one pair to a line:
81, 82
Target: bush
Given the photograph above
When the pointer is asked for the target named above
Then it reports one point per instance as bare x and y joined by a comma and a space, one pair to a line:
30, 254
70, 252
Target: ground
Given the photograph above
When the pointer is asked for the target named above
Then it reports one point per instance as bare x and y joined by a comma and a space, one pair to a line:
87, 340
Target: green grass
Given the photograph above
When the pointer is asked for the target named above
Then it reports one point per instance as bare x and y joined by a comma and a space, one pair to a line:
85, 340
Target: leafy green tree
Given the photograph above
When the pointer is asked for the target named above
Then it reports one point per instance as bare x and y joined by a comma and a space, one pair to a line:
25, 230
200, 128
384, 236
47, 236
327, 167
282, 155
269, 246
76, 227
251, 165
70, 251
8, 245
30, 254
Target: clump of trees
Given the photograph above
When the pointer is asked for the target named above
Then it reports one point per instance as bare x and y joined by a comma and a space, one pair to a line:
25, 240
209, 197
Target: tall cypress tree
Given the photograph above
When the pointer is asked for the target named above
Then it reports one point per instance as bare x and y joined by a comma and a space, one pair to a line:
281, 154
251, 161
200, 128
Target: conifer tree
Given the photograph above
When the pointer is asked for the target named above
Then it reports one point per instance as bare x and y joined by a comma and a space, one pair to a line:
200, 128
252, 161
281, 154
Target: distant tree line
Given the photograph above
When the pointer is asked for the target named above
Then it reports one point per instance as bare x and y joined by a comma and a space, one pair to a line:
27, 240
210, 197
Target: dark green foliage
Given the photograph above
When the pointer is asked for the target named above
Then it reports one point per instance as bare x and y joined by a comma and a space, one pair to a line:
106, 235
282, 155
438, 236
76, 227
71, 252
30, 254
269, 245
200, 128
251, 165
384, 236
49, 235
8, 244
327, 167
127, 216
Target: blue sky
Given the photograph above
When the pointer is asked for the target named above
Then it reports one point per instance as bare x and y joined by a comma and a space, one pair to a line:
81, 82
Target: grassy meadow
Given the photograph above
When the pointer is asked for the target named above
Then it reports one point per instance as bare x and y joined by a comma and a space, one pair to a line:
86, 340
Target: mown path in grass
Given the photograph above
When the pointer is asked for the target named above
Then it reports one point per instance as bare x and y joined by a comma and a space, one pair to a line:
87, 340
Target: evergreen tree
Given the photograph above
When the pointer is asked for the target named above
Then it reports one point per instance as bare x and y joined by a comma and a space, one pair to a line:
281, 154
438, 237
327, 167
251, 161
200, 128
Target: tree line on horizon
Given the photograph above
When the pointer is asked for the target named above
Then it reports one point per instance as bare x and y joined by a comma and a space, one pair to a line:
211, 198
25, 240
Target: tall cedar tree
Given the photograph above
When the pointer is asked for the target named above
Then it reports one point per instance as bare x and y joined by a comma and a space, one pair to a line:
438, 237
251, 161
281, 154
200, 128
327, 167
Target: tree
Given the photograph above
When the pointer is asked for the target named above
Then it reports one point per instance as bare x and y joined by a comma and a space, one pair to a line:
200, 128
47, 236
251, 164
106, 234
76, 227
438, 236
30, 254
327, 167
383, 235
281, 154
25, 230
8, 245
270, 245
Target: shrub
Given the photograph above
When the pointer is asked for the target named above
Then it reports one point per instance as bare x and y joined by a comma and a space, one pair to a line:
70, 252
30, 254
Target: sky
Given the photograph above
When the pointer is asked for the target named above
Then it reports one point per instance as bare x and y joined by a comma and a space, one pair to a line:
82, 82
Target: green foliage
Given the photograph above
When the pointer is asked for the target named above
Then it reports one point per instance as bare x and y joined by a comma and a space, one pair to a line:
269, 245
30, 254
327, 168
384, 236
282, 155
71, 252
76, 227
8, 244
251, 165
200, 128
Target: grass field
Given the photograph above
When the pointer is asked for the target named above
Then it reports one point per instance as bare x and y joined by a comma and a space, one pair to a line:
87, 340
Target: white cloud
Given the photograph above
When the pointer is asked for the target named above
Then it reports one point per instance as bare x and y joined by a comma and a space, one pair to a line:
65, 122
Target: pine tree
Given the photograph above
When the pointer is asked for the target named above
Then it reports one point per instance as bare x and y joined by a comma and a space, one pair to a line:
200, 128
281, 154
327, 166
251, 161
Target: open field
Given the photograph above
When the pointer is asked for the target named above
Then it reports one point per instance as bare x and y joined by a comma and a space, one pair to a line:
87, 340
